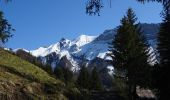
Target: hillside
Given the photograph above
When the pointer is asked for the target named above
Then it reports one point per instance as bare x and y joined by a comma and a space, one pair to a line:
21, 80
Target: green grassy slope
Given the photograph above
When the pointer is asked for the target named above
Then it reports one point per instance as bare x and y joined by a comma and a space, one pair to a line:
25, 68
21, 80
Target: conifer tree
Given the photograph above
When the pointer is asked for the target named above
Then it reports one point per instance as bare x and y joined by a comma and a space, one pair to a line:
58, 72
5, 29
48, 69
164, 56
95, 80
83, 79
68, 75
129, 51
63, 74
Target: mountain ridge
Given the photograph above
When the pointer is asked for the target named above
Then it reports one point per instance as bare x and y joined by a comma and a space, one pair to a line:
82, 50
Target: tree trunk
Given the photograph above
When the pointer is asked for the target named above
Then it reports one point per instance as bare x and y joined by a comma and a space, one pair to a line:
132, 92
134, 95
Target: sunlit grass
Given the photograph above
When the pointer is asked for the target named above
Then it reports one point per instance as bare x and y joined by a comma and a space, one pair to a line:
24, 68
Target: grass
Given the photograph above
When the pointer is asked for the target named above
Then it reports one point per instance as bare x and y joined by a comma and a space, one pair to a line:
25, 69
21, 80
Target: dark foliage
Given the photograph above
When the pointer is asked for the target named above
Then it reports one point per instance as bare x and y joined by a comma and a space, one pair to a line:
58, 72
130, 53
48, 69
25, 55
64, 74
143, 1
95, 80
5, 29
164, 56
68, 75
94, 7
83, 80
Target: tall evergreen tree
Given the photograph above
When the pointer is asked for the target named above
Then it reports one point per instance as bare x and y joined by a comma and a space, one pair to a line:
164, 56
83, 79
95, 80
58, 72
129, 51
63, 74
5, 29
68, 75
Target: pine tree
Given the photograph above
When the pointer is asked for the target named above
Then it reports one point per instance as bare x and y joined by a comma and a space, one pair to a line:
95, 80
164, 56
68, 75
58, 72
129, 51
63, 74
48, 69
83, 79
5, 29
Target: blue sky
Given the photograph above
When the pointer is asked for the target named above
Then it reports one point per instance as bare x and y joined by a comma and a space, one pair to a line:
44, 22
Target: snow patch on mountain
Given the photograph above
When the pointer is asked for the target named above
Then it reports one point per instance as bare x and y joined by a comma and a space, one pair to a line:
83, 39
110, 70
15, 50
94, 49
39, 52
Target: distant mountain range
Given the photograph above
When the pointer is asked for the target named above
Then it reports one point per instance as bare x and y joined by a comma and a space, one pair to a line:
86, 50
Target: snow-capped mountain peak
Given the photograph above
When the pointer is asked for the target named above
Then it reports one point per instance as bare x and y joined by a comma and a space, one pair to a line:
83, 39
63, 45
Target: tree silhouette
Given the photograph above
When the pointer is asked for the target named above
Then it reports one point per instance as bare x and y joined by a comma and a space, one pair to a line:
164, 56
94, 7
83, 79
95, 80
130, 53
5, 29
